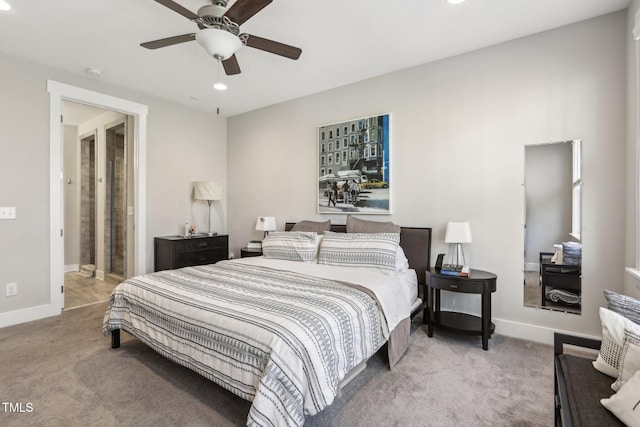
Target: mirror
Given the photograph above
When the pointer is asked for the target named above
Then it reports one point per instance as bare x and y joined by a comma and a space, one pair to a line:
553, 252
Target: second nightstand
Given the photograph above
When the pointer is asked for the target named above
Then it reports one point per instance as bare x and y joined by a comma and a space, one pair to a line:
249, 252
479, 282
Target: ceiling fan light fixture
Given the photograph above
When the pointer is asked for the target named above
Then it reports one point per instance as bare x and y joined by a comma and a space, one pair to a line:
4, 5
218, 43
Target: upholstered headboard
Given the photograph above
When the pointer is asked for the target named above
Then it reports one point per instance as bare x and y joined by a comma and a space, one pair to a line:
415, 241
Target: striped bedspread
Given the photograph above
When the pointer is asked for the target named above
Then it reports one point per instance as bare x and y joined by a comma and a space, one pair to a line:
281, 339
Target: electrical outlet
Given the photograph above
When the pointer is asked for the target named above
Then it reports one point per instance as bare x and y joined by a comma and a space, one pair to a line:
7, 212
12, 289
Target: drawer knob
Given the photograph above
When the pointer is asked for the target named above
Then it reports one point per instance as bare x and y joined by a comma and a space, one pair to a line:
453, 286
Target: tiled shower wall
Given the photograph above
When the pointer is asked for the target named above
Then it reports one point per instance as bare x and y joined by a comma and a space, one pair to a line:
115, 203
88, 201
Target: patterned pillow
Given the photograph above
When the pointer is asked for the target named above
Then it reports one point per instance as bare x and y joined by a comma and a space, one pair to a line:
629, 359
624, 305
613, 327
377, 250
291, 246
571, 253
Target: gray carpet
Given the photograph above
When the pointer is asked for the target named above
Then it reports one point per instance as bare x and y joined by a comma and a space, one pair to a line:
66, 370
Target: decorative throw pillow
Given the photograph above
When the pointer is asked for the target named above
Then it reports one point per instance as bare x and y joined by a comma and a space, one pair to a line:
629, 359
291, 246
571, 253
625, 404
377, 250
613, 327
622, 304
357, 225
318, 226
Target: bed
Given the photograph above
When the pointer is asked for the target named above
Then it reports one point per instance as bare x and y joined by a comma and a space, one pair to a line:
282, 334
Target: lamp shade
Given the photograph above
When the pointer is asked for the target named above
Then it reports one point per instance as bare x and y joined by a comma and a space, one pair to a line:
218, 43
266, 223
207, 191
458, 232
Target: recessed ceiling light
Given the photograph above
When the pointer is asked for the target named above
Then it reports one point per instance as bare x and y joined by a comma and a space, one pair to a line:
4, 5
455, 1
220, 86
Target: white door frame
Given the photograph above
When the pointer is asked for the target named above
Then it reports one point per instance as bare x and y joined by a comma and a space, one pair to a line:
59, 92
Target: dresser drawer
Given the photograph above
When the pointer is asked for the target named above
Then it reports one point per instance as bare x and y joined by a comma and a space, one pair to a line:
186, 259
559, 280
200, 244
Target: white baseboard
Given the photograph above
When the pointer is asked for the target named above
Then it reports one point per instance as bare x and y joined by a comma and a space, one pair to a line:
100, 274
28, 314
525, 331
68, 268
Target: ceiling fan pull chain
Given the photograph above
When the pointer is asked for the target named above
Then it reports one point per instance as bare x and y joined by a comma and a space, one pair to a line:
217, 89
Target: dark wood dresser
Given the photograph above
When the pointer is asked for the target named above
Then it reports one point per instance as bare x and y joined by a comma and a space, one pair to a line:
171, 252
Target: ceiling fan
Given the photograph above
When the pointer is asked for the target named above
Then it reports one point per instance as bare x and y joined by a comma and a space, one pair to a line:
219, 31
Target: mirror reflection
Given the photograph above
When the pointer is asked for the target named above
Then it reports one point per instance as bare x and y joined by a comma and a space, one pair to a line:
553, 252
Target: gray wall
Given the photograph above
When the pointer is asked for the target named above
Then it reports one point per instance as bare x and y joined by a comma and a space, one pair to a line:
183, 146
458, 131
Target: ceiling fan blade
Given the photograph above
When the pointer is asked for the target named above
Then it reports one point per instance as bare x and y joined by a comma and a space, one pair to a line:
273, 47
231, 66
169, 41
242, 10
179, 9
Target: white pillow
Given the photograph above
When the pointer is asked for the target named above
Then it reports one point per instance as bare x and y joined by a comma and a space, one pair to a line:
625, 404
629, 360
291, 245
613, 327
402, 263
374, 250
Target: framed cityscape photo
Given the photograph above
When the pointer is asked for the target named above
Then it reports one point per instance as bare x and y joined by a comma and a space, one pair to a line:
354, 167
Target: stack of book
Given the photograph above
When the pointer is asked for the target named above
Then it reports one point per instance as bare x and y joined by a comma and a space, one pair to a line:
254, 244
455, 270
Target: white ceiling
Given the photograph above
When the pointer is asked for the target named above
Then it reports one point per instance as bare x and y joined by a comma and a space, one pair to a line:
342, 41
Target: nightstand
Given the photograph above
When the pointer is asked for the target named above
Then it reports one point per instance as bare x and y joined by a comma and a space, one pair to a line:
559, 276
249, 252
171, 252
479, 282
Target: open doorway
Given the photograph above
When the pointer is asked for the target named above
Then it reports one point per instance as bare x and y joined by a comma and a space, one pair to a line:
98, 181
136, 211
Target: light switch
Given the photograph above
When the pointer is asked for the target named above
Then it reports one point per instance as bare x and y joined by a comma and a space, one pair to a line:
8, 213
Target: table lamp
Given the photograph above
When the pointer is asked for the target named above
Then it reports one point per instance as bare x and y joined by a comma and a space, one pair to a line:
458, 233
266, 224
208, 191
